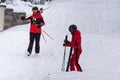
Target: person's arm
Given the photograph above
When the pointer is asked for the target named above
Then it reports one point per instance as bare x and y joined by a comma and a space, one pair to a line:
70, 44
28, 18
23, 18
40, 22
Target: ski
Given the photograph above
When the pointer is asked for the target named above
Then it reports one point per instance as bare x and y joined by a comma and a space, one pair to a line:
63, 63
68, 63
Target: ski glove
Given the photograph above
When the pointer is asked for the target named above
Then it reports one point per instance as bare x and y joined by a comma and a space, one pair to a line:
39, 26
39, 22
63, 44
66, 41
23, 18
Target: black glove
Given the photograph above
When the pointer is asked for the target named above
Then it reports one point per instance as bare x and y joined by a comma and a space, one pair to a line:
39, 26
66, 41
63, 44
23, 18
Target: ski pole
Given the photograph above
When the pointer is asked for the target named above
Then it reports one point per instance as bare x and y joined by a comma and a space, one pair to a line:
47, 8
41, 9
68, 64
44, 38
63, 63
47, 34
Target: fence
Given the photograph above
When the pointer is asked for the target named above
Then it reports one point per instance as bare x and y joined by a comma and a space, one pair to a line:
10, 18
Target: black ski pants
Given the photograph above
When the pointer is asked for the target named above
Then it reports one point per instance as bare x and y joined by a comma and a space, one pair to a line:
34, 37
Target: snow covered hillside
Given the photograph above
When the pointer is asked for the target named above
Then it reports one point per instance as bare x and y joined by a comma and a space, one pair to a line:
98, 21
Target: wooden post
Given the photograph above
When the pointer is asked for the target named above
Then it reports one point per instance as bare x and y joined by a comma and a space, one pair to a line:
2, 17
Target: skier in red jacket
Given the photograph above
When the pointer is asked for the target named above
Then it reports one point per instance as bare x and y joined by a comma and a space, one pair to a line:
35, 29
76, 44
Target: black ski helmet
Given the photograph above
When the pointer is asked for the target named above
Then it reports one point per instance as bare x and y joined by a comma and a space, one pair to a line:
35, 8
72, 28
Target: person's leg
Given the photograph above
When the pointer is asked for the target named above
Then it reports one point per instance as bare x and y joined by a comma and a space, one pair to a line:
78, 67
31, 43
72, 63
37, 42
77, 60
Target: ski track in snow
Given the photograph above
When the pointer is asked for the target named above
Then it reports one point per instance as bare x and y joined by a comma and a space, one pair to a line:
99, 25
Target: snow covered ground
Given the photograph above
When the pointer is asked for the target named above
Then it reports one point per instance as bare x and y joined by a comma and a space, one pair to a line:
98, 21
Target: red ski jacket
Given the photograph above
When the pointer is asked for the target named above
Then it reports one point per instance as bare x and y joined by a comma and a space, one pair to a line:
35, 20
76, 41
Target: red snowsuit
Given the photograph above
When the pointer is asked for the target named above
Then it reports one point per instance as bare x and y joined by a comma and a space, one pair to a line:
34, 28
76, 44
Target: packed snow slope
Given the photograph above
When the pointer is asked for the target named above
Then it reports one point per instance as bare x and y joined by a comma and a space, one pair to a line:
98, 21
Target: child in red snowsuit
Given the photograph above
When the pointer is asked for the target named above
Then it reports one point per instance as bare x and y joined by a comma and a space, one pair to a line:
76, 44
